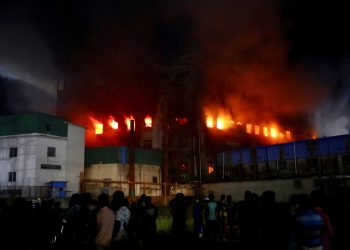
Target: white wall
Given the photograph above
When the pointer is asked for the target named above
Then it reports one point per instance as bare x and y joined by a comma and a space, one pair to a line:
44, 176
32, 152
75, 149
24, 164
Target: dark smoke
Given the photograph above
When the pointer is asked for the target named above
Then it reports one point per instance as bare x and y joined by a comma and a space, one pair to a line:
107, 55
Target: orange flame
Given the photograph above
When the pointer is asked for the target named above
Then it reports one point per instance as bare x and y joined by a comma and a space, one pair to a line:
224, 121
273, 132
210, 168
128, 120
248, 127
97, 125
210, 122
112, 122
148, 121
257, 129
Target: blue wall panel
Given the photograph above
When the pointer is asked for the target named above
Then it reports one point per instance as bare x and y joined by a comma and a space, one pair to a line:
337, 145
236, 157
322, 146
302, 149
246, 156
273, 152
288, 151
261, 154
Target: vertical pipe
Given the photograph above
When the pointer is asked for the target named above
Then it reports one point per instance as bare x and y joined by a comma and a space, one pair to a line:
223, 165
132, 160
295, 160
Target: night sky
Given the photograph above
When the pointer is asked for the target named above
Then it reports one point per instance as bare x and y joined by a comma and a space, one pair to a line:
272, 58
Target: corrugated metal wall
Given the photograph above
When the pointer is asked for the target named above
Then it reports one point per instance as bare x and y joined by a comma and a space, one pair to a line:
336, 145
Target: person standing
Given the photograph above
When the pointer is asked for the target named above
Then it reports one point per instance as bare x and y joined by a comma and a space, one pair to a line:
178, 208
308, 225
105, 223
197, 212
211, 216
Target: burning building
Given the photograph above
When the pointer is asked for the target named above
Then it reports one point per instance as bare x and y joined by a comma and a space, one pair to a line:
188, 126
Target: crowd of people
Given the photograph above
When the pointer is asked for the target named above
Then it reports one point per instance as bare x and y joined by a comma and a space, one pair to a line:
87, 224
314, 221
307, 222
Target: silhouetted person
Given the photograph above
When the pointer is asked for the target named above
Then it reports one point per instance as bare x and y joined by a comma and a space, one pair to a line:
178, 208
197, 212
211, 219
273, 221
105, 219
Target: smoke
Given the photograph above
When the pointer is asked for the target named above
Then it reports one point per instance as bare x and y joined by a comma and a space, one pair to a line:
333, 115
24, 53
111, 53
245, 54
245, 61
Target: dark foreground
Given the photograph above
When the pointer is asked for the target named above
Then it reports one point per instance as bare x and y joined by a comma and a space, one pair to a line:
167, 241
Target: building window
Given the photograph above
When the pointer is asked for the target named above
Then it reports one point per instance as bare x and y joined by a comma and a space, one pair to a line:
51, 152
12, 176
13, 152
50, 166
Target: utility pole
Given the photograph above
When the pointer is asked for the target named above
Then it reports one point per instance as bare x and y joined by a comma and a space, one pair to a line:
132, 159
165, 140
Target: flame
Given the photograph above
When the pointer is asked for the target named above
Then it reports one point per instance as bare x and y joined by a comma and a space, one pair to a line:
148, 121
257, 130
97, 125
112, 122
210, 122
210, 168
288, 135
266, 131
273, 132
128, 120
224, 121
248, 128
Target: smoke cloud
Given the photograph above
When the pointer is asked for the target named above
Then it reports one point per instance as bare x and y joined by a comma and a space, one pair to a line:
107, 58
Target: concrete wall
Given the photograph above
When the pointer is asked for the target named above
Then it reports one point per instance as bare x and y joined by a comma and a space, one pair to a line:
32, 153
74, 157
24, 164
283, 188
111, 177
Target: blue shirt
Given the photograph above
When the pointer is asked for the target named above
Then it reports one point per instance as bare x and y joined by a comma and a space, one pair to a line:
309, 226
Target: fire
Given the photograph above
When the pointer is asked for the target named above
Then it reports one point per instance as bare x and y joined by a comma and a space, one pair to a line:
223, 121
112, 122
210, 122
257, 130
248, 127
148, 121
266, 131
210, 168
128, 121
97, 125
273, 132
